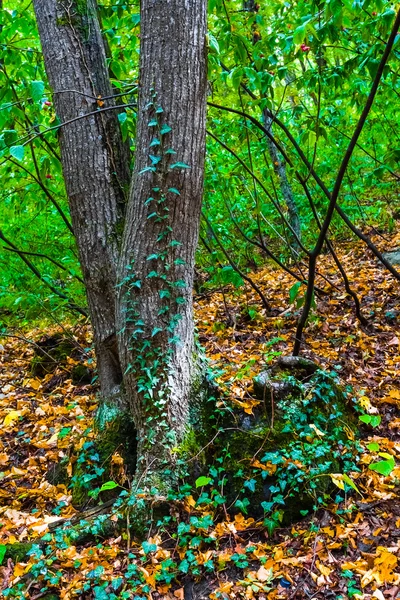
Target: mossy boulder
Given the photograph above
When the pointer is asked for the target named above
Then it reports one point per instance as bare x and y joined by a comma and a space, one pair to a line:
278, 458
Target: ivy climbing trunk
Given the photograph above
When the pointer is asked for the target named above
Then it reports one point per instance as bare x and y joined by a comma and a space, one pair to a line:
95, 163
156, 265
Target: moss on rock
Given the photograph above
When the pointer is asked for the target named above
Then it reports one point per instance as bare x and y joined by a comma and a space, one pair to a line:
281, 455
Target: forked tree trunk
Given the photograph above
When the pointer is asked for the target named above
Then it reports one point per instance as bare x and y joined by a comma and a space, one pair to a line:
95, 162
161, 231
153, 312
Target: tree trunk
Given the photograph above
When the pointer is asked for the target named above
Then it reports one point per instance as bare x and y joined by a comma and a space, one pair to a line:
286, 189
157, 259
95, 163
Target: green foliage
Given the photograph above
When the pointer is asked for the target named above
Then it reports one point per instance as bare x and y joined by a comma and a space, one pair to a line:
312, 65
373, 420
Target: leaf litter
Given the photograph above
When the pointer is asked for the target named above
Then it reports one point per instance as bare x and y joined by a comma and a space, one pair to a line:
345, 550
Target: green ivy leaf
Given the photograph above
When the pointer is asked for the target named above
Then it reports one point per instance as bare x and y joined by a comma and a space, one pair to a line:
148, 547
179, 165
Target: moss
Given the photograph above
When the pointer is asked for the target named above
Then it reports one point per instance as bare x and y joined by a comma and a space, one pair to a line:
296, 446
62, 21
18, 552
189, 446
81, 374
115, 431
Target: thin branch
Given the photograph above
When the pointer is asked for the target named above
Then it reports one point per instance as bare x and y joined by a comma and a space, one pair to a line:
31, 266
338, 183
254, 176
40, 255
236, 268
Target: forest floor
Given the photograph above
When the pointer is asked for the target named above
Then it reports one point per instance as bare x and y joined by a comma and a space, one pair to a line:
342, 551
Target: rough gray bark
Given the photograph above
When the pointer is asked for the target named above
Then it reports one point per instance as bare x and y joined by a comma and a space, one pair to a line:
161, 231
95, 161
286, 189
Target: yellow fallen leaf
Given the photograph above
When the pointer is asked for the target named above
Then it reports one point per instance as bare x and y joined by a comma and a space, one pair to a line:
19, 569
3, 459
323, 568
317, 431
33, 383
12, 416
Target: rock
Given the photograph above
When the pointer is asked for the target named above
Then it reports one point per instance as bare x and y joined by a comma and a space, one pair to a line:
50, 351
81, 375
298, 364
277, 382
269, 390
393, 256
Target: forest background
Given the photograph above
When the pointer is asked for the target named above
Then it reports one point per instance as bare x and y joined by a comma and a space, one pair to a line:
288, 87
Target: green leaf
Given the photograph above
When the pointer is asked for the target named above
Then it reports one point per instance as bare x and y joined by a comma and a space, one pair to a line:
17, 152
213, 43
135, 19
350, 482
3, 550
299, 34
383, 467
109, 485
165, 129
294, 290
37, 89
148, 547
203, 481
146, 169
122, 117
174, 191
179, 165
373, 447
250, 485
373, 420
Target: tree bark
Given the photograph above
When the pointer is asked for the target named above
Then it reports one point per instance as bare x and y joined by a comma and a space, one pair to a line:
286, 189
95, 163
157, 258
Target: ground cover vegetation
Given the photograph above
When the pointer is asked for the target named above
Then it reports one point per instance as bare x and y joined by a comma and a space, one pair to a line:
199, 299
